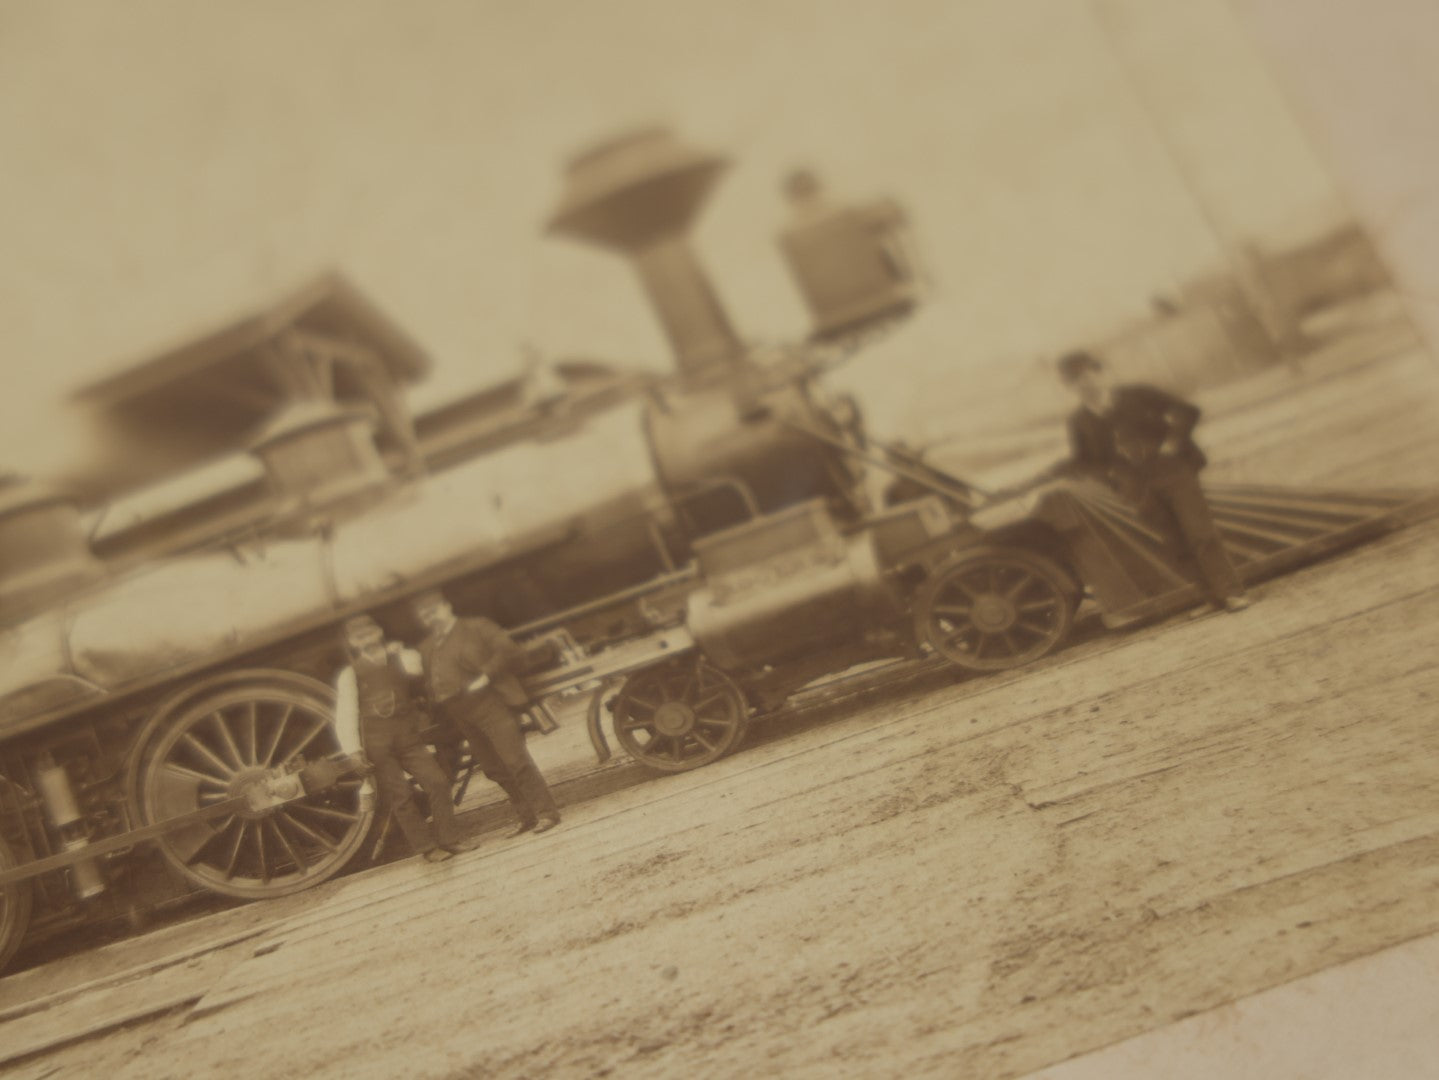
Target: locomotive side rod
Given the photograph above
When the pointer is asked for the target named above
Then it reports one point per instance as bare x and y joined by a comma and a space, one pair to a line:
612, 662
232, 805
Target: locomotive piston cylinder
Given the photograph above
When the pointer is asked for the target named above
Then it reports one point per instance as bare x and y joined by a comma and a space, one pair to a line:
58, 797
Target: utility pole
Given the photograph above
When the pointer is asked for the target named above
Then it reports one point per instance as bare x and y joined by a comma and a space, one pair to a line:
1241, 254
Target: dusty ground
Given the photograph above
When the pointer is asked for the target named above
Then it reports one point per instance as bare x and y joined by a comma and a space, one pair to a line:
967, 879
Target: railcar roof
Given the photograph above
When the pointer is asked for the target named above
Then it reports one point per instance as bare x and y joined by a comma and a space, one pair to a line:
329, 303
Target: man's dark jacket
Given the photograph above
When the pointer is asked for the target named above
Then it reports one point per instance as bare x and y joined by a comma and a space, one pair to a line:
473, 646
1122, 444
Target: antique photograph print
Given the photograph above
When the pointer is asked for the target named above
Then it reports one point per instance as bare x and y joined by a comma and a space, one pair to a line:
678, 539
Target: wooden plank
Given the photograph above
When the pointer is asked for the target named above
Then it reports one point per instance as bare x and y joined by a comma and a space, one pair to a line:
91, 1011
139, 971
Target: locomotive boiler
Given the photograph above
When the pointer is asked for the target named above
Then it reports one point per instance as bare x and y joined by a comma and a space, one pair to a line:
698, 545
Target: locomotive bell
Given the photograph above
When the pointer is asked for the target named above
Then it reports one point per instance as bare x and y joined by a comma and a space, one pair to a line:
638, 195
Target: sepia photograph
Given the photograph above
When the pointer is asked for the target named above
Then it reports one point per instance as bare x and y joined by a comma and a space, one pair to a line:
663, 538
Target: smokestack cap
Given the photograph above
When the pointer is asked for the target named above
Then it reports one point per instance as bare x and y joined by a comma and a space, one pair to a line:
630, 191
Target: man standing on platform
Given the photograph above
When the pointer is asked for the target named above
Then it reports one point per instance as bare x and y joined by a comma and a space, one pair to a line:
471, 664
373, 699
1137, 439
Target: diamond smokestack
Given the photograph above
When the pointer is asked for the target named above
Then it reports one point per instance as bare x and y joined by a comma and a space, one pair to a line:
638, 195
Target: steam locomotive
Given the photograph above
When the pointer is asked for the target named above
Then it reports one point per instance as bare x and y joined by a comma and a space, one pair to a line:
697, 546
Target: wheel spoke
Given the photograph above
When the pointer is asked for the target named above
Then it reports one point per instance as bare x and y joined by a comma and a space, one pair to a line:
280, 726
194, 774
234, 858
227, 741
966, 588
319, 838
643, 703
205, 752
709, 746
252, 730
194, 856
1014, 650
325, 811
1019, 586
961, 610
320, 725
710, 699
286, 843
260, 852
1049, 603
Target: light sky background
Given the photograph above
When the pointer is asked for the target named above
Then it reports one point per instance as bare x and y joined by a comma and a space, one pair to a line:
168, 164
1362, 76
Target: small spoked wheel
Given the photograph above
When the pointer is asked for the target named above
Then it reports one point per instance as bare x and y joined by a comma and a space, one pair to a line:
994, 609
220, 746
679, 716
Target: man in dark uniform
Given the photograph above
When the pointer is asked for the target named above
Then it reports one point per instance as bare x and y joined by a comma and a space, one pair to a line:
1138, 440
375, 693
471, 665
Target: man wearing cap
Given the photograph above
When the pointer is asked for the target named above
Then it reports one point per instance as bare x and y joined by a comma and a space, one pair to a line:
471, 664
374, 695
1138, 440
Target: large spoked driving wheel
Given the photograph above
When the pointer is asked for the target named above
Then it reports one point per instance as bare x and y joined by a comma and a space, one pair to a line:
218, 747
993, 609
678, 716
15, 901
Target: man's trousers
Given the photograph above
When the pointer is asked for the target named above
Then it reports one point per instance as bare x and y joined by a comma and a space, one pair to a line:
1174, 492
497, 746
394, 747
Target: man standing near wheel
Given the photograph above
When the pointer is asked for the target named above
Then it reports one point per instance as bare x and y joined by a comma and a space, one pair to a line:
374, 694
1138, 440
470, 665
